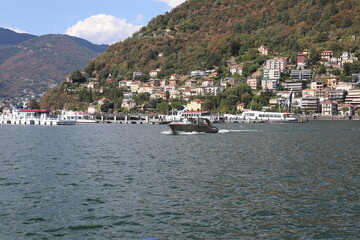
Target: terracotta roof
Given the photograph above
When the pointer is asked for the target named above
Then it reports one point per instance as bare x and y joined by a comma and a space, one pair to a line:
197, 100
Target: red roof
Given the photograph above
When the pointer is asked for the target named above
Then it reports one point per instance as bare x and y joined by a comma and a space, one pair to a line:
33, 110
197, 100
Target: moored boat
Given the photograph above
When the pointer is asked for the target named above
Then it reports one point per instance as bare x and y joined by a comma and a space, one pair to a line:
78, 117
193, 125
272, 117
33, 117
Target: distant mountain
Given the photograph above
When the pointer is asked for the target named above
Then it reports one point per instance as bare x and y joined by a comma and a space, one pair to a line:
9, 37
95, 47
32, 66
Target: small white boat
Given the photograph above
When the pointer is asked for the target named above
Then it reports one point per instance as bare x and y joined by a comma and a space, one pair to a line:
78, 117
274, 117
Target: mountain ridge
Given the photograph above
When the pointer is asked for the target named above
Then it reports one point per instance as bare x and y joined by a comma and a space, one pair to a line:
29, 67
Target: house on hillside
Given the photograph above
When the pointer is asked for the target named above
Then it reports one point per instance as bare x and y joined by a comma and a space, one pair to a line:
137, 73
154, 73
269, 84
208, 82
332, 82
301, 60
195, 105
254, 83
128, 103
175, 76
277, 63
264, 50
198, 73
191, 82
326, 55
317, 84
306, 52
236, 70
91, 85
125, 83
300, 74
228, 81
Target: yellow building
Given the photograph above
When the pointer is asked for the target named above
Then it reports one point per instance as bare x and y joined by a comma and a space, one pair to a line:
195, 105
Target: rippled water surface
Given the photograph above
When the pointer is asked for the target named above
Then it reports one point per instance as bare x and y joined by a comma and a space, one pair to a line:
250, 181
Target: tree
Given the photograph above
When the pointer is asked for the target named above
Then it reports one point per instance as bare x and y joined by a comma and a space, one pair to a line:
33, 104
314, 57
345, 109
163, 107
322, 69
77, 77
106, 106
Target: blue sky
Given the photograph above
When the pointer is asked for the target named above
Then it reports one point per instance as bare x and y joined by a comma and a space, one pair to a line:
99, 21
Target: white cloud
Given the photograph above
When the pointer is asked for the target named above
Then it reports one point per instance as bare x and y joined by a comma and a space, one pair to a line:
103, 29
172, 3
18, 30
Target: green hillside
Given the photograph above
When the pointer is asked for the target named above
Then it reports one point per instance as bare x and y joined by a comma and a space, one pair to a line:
201, 34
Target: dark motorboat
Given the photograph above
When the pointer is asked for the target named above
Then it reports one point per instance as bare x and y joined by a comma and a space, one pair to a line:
193, 125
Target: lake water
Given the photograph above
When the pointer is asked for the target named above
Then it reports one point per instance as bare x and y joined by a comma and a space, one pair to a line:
250, 181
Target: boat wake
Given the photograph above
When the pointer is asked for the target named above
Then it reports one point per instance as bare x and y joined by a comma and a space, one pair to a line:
222, 131
235, 131
169, 132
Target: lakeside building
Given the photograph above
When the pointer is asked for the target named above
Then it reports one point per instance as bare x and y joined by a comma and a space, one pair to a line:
311, 104
353, 97
336, 95
346, 109
329, 108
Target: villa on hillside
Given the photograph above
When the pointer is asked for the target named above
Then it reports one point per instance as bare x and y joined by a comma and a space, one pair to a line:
195, 105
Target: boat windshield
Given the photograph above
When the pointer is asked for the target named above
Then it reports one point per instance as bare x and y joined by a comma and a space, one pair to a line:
186, 120
203, 121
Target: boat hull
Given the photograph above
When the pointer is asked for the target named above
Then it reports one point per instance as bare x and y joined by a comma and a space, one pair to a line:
178, 127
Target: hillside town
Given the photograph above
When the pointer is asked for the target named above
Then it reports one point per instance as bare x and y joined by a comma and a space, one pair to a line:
315, 91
